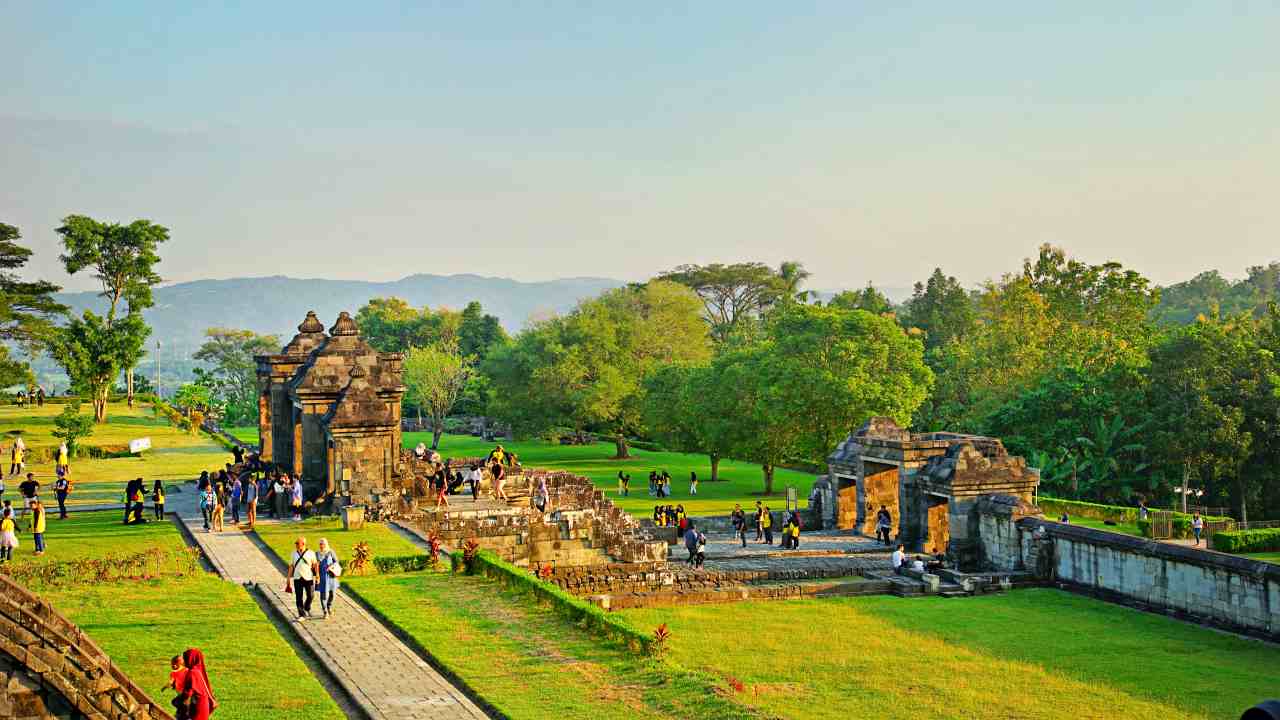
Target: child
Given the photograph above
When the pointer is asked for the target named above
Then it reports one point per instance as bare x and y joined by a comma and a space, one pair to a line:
218, 510
38, 524
178, 678
157, 498
8, 533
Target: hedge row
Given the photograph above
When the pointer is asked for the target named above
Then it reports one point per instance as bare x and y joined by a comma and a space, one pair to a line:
1247, 541
387, 564
575, 608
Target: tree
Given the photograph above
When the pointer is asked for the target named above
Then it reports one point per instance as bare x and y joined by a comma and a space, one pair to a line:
1110, 457
393, 325
70, 426
232, 372
92, 353
941, 308
479, 332
435, 377
585, 369
27, 309
732, 294
684, 409
193, 398
791, 275
868, 298
123, 258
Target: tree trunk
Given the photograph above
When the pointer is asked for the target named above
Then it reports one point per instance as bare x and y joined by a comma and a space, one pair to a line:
436, 432
1186, 476
1244, 510
715, 467
100, 405
128, 382
624, 451
767, 471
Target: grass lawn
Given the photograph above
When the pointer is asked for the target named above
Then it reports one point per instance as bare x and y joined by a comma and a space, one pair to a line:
176, 456
382, 540
1122, 528
255, 673
1032, 653
1272, 557
95, 534
530, 663
741, 482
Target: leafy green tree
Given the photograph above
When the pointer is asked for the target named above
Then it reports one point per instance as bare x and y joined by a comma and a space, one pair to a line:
685, 409
435, 377
479, 332
585, 369
393, 325
868, 298
91, 352
1111, 459
941, 308
27, 309
123, 258
71, 427
193, 398
232, 373
738, 293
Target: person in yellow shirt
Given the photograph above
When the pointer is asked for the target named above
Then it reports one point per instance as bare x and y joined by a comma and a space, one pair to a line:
8, 535
38, 525
766, 524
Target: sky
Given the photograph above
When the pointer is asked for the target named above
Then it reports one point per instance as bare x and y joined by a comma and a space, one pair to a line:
870, 141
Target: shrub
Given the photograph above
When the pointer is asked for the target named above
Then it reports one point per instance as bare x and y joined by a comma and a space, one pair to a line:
360, 555
387, 564
152, 563
70, 426
1246, 541
1054, 507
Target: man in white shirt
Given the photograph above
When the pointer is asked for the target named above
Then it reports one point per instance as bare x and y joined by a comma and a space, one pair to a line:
303, 569
896, 559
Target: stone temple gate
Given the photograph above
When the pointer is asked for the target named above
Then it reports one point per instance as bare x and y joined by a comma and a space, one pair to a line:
929, 482
329, 411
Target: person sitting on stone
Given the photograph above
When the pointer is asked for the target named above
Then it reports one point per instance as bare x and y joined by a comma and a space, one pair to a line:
918, 564
897, 559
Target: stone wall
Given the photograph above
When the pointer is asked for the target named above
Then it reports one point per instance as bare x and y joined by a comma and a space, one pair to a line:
1198, 585
49, 668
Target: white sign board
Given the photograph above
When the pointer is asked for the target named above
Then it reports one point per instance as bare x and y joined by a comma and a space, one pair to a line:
137, 446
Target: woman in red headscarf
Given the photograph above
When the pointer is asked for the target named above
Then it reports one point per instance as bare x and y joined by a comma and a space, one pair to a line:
196, 690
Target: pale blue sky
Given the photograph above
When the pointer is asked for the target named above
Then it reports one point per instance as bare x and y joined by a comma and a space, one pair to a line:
540, 140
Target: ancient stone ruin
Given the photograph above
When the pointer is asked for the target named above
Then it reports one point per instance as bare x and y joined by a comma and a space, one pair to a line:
929, 482
329, 412
49, 669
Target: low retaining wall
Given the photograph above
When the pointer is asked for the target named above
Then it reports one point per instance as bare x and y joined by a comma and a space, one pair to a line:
1208, 587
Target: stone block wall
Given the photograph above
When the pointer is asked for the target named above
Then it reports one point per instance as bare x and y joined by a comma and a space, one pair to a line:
1199, 585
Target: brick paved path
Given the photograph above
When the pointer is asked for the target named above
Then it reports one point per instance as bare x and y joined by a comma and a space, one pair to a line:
382, 675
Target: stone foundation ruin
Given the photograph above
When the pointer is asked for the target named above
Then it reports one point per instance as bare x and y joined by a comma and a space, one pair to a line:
929, 482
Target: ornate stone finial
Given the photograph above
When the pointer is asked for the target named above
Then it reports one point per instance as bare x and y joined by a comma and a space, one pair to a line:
311, 325
344, 325
357, 371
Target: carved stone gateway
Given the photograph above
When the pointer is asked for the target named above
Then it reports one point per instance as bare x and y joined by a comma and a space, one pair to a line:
929, 482
329, 411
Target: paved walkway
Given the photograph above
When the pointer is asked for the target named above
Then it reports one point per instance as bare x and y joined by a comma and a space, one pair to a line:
381, 674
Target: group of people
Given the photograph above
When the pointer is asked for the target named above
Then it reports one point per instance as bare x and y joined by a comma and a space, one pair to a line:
763, 521
33, 509
34, 394
189, 678
439, 478
659, 483
236, 487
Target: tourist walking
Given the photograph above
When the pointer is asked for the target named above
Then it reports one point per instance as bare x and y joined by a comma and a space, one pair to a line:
543, 495
8, 534
17, 457
1197, 526
766, 521
499, 480
62, 464
30, 491
251, 501
62, 488
197, 693
693, 483
206, 504
691, 542
329, 570
739, 523
884, 524
219, 510
157, 498
759, 521
38, 526
303, 569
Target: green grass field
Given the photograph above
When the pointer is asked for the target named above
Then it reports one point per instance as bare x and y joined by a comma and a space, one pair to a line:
1027, 654
382, 540
1272, 557
740, 482
530, 663
176, 456
255, 673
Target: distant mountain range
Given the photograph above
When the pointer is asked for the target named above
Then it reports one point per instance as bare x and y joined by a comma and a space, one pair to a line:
277, 304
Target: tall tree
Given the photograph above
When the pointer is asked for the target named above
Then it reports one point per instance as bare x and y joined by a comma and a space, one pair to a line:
123, 258
479, 332
734, 294
435, 377
941, 308
232, 373
585, 369
91, 352
868, 298
393, 325
27, 308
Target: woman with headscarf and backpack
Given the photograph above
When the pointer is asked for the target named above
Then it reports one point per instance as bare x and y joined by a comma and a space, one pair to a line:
196, 690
